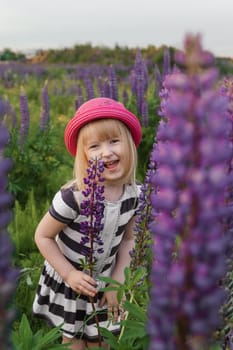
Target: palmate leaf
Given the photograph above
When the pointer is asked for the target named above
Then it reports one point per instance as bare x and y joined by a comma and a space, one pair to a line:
139, 274
135, 334
111, 281
135, 327
24, 339
111, 339
114, 286
48, 340
25, 333
136, 311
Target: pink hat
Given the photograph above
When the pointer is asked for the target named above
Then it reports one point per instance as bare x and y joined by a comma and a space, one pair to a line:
100, 108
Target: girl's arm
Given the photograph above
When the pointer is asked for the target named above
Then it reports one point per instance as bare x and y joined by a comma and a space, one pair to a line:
45, 235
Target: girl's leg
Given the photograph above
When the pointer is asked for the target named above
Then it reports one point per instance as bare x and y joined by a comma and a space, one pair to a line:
96, 345
76, 344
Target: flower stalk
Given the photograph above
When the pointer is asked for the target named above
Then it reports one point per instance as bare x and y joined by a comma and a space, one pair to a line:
189, 206
93, 207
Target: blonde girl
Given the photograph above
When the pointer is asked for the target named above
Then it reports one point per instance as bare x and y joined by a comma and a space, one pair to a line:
102, 128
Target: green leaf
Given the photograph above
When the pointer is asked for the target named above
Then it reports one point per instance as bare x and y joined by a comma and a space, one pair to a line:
138, 275
136, 311
25, 333
127, 273
50, 337
29, 281
111, 339
109, 280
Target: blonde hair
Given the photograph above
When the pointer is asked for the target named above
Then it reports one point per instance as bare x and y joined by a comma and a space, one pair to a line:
105, 129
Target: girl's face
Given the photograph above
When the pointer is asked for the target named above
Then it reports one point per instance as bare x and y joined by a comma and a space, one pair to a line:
110, 148
111, 153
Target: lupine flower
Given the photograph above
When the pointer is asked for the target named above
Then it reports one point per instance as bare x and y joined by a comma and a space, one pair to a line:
6, 110
139, 255
113, 83
166, 62
8, 275
139, 81
160, 75
144, 112
79, 100
141, 76
45, 111
92, 207
24, 117
89, 88
100, 87
189, 206
125, 97
107, 91
226, 89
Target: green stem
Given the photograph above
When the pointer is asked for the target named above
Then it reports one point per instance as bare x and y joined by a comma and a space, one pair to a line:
126, 317
96, 320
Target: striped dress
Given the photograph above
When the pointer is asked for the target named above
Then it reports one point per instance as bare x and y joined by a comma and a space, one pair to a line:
55, 301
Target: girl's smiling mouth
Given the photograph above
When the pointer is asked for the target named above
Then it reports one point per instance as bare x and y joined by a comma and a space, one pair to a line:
111, 164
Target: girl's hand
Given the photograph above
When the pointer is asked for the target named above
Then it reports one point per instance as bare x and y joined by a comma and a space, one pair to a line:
114, 308
82, 283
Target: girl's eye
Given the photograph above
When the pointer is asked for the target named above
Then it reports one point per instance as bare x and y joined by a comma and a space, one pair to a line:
93, 146
115, 140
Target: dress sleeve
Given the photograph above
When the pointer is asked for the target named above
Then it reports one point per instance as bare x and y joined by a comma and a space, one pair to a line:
64, 207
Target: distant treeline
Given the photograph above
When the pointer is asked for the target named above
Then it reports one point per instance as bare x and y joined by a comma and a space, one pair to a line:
98, 54
89, 54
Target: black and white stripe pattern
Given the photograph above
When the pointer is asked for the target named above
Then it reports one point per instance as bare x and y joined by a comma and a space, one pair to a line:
55, 300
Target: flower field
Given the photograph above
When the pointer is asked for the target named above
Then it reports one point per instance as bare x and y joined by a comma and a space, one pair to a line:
179, 290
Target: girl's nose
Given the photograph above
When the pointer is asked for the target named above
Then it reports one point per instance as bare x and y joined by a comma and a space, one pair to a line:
105, 150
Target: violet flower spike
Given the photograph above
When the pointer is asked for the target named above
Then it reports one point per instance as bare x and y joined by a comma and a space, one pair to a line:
45, 112
113, 83
24, 115
189, 207
93, 208
143, 241
8, 275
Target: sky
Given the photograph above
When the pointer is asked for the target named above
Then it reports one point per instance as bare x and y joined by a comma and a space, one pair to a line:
42, 24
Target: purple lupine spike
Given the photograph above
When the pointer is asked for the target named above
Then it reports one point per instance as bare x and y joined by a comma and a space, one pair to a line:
140, 82
24, 117
158, 80
113, 83
107, 91
145, 114
8, 275
89, 88
2, 109
160, 76
5, 110
100, 87
132, 80
226, 89
45, 111
125, 97
92, 207
166, 62
79, 101
142, 234
189, 206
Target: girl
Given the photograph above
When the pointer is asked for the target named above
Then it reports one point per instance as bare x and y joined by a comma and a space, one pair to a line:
102, 128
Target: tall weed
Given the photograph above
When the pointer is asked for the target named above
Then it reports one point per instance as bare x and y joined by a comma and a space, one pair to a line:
23, 226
